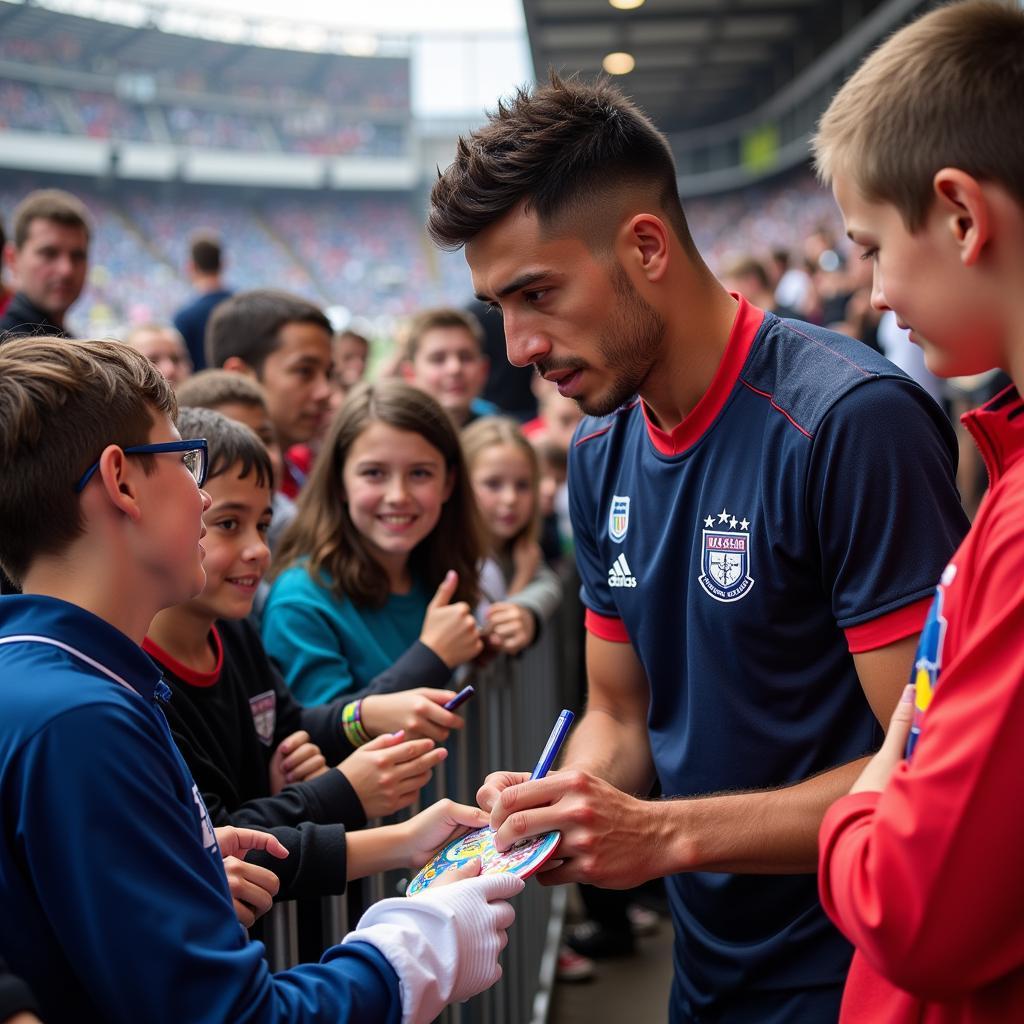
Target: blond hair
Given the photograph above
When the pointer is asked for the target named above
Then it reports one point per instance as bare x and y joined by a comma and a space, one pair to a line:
945, 91
491, 431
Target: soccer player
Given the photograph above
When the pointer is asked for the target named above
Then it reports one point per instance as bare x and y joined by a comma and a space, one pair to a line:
761, 509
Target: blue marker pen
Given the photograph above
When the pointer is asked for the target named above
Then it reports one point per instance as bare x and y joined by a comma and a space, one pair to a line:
460, 698
554, 744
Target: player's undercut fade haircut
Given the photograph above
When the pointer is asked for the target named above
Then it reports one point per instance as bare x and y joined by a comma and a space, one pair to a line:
945, 91
564, 148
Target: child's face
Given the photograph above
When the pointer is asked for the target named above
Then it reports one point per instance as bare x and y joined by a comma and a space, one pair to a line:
168, 547
297, 380
163, 348
449, 367
350, 356
921, 278
237, 555
255, 417
503, 486
395, 483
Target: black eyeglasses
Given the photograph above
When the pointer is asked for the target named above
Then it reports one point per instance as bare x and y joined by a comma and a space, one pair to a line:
195, 457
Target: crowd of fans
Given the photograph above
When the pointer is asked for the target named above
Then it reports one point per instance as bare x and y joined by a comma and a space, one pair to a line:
341, 106
311, 129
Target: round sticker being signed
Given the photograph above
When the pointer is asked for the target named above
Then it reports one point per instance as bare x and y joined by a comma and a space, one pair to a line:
522, 858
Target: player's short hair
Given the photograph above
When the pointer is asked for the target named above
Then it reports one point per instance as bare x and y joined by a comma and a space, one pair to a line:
431, 319
945, 91
61, 403
566, 148
206, 254
247, 325
212, 389
50, 204
228, 444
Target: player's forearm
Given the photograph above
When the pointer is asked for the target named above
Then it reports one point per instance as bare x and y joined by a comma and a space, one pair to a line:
613, 749
764, 832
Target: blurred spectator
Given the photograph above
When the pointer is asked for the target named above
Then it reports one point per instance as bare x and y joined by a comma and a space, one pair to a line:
557, 416
794, 290
285, 343
750, 279
351, 357
205, 270
444, 358
164, 347
48, 261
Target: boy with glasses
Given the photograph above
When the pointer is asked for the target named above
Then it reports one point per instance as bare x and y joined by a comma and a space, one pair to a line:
116, 904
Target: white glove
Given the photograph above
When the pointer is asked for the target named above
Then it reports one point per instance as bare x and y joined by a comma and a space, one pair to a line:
443, 943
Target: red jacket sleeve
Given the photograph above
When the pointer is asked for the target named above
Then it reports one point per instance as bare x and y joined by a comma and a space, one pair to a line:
926, 878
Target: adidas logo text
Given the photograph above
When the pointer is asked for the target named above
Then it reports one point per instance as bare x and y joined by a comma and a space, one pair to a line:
620, 575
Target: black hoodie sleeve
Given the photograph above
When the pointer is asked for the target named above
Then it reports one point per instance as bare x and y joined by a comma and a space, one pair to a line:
316, 864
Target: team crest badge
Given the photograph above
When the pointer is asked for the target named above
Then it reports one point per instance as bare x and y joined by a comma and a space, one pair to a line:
264, 716
725, 558
618, 518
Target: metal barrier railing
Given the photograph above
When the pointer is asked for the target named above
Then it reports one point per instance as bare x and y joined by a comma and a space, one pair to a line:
506, 726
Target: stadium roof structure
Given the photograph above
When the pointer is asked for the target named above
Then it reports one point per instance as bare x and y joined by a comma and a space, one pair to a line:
698, 62
137, 33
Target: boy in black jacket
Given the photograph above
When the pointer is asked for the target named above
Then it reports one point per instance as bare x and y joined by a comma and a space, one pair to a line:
260, 758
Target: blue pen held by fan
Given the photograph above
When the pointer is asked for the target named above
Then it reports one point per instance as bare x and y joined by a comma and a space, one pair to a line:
460, 698
553, 745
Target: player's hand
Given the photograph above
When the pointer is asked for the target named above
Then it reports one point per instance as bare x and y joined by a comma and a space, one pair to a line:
510, 627
450, 630
253, 888
425, 833
495, 784
417, 713
602, 827
296, 759
879, 769
388, 772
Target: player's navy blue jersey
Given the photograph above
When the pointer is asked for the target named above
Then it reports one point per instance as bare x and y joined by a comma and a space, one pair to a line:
802, 512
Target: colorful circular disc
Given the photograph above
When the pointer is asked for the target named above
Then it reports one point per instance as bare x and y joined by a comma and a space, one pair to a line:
522, 858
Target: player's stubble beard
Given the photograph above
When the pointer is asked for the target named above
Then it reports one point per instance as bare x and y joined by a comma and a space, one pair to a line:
629, 346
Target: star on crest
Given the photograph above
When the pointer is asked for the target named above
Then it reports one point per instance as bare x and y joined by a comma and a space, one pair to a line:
709, 522
744, 523
733, 522
723, 516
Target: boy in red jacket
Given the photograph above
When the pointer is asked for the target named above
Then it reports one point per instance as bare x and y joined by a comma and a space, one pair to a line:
920, 866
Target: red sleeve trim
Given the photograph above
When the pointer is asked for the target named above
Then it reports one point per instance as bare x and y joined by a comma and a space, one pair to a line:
606, 628
889, 628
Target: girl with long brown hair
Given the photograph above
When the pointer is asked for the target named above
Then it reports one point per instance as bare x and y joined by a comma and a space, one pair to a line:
377, 573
